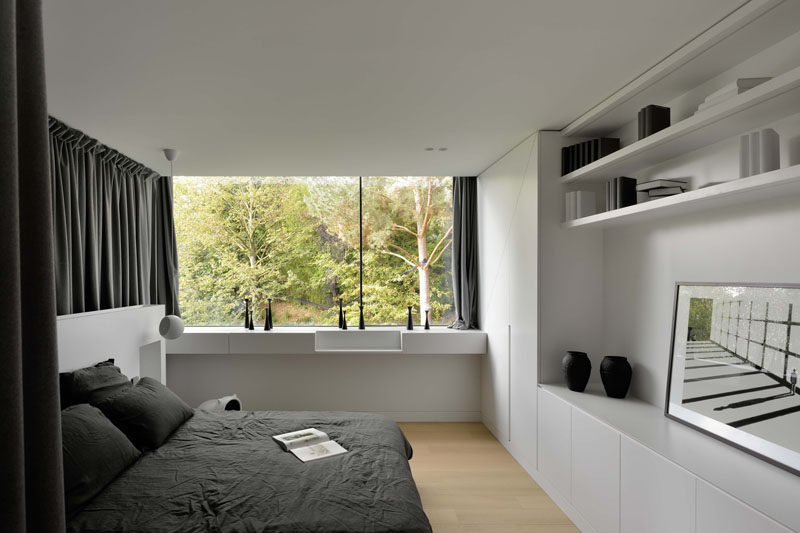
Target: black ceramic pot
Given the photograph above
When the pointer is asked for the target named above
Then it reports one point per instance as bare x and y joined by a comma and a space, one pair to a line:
576, 367
616, 372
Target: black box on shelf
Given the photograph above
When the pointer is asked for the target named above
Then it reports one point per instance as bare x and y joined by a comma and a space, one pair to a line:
620, 192
652, 119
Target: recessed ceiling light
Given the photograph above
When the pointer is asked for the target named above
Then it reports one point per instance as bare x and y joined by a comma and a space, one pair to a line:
429, 149
443, 148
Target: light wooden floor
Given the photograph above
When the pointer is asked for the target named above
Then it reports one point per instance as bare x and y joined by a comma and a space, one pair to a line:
469, 483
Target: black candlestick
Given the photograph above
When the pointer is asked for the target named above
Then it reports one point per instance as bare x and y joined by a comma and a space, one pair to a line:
427, 324
247, 313
361, 316
250, 327
344, 319
269, 312
341, 317
410, 323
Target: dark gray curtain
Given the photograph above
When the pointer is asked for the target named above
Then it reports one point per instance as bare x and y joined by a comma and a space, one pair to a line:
31, 487
114, 231
465, 252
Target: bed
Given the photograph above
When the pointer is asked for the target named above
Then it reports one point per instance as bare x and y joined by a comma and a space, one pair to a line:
222, 472
138, 459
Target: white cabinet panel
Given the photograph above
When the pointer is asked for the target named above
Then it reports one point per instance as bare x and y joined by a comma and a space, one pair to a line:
595, 472
655, 495
554, 441
717, 512
523, 309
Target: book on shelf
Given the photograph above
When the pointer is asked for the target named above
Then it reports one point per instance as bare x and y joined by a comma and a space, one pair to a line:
658, 183
730, 90
652, 119
620, 192
309, 444
737, 86
664, 191
769, 150
755, 153
581, 154
759, 152
579, 204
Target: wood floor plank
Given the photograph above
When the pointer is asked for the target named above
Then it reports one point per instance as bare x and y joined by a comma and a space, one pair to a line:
469, 483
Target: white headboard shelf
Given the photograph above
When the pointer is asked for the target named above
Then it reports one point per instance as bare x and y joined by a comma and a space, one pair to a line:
129, 335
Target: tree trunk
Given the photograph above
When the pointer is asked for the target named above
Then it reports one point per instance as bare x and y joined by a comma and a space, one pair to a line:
422, 255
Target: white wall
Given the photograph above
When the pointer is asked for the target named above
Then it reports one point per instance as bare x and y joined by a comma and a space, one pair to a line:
405, 388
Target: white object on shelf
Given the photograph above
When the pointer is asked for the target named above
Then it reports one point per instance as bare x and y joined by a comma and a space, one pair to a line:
586, 204
744, 156
732, 89
770, 101
755, 153
769, 150
773, 184
579, 204
759, 152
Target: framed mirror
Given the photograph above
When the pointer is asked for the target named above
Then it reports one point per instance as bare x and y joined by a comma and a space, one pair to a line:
734, 365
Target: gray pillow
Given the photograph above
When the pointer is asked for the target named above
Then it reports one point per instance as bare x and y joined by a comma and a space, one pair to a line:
91, 384
147, 413
95, 453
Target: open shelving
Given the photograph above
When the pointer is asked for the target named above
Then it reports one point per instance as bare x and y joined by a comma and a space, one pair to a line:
751, 28
777, 183
761, 105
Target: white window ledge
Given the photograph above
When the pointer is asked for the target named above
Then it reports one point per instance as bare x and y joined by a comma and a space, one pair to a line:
439, 340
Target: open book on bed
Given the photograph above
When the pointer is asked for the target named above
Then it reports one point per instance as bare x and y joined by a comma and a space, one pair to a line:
309, 444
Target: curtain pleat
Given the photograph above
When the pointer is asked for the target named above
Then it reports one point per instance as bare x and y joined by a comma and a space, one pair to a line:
31, 487
113, 227
465, 252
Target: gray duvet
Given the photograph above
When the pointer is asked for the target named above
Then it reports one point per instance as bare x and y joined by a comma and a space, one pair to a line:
223, 472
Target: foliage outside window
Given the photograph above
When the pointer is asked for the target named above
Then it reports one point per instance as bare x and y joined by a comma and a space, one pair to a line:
296, 240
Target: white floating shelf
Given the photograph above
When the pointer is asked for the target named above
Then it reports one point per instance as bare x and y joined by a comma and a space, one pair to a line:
782, 182
766, 103
752, 27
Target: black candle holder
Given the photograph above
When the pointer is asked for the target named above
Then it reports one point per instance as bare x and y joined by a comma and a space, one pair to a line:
341, 316
427, 322
410, 323
250, 326
361, 316
247, 313
344, 319
269, 312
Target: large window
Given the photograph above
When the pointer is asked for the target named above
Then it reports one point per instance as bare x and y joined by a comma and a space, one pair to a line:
297, 241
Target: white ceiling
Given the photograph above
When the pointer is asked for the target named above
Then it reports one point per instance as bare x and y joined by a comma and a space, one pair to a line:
346, 87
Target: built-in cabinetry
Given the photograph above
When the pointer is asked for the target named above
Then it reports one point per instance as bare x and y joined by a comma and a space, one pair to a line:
608, 288
614, 483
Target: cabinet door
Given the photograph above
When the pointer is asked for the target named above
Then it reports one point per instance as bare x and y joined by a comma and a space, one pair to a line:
717, 512
656, 495
523, 311
595, 472
554, 441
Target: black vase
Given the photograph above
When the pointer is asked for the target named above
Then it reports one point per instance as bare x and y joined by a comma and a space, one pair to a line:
410, 322
616, 372
577, 367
